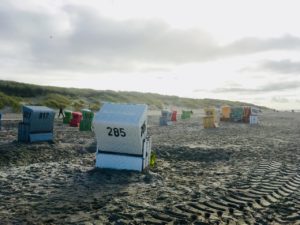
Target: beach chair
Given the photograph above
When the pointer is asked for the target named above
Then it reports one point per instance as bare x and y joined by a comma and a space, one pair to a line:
37, 124
122, 137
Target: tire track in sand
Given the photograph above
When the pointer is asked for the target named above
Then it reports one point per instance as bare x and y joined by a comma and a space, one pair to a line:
270, 193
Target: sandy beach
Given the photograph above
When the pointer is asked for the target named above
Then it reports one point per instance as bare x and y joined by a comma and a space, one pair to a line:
235, 174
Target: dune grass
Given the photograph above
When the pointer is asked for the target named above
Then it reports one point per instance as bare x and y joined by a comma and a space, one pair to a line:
10, 101
14, 94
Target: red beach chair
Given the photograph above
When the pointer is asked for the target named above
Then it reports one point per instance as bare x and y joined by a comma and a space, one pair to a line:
174, 116
76, 118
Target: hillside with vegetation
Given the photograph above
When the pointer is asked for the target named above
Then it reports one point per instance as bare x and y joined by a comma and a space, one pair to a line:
14, 94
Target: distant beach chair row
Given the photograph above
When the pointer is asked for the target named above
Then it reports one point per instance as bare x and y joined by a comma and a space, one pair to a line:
213, 115
82, 119
169, 117
245, 114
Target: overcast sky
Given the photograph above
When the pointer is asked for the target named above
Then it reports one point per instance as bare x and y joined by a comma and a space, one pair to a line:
237, 50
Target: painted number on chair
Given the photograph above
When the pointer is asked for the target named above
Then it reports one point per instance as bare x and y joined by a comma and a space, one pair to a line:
116, 132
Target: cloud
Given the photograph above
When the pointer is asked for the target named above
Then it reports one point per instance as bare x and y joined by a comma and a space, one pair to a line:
280, 100
77, 38
94, 42
251, 45
272, 87
285, 66
101, 42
